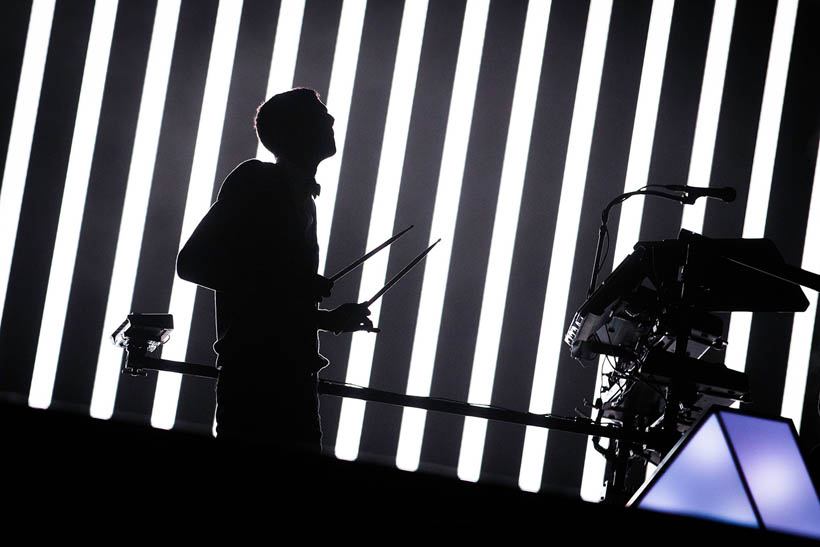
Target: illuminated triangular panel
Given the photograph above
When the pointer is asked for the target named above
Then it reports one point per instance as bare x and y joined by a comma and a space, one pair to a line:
702, 481
739, 469
775, 472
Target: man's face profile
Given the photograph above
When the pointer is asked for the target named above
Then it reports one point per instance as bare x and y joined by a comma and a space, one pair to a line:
316, 129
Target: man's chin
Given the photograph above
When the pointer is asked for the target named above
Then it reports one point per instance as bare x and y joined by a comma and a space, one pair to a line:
324, 152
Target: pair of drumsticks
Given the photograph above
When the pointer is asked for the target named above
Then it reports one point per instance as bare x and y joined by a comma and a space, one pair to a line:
395, 279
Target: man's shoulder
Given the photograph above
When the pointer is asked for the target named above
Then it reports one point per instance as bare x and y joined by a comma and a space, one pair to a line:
250, 179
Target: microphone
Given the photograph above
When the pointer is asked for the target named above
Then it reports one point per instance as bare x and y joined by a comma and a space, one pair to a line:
727, 193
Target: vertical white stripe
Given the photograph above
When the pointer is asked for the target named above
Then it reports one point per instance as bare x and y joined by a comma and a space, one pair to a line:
283, 61
382, 216
637, 172
200, 188
138, 191
445, 210
643, 129
504, 230
566, 231
339, 95
768, 131
711, 93
22, 133
794, 391
71, 209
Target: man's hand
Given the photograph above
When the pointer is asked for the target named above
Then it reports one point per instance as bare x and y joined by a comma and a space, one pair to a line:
349, 318
321, 287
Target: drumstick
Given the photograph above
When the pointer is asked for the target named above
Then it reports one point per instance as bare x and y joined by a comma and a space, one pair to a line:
402, 273
346, 270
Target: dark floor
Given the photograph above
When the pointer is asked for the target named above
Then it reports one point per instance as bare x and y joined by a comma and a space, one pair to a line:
75, 467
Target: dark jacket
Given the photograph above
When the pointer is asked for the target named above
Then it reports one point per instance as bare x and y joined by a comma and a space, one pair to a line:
256, 248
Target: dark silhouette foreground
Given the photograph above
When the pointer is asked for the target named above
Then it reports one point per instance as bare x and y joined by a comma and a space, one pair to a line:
257, 250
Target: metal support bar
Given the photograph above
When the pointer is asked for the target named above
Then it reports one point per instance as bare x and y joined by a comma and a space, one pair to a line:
135, 363
572, 425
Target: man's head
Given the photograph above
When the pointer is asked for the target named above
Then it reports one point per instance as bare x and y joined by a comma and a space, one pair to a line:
295, 124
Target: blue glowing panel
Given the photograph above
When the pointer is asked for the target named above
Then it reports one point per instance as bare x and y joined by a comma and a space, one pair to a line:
775, 472
702, 481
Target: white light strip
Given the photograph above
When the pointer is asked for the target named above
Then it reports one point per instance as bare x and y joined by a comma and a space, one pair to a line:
73, 204
283, 61
643, 128
768, 131
138, 191
339, 96
22, 133
503, 239
382, 216
437, 263
794, 391
711, 93
566, 232
200, 188
637, 173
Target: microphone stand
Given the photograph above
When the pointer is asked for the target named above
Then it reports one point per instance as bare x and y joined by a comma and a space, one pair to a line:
617, 482
602, 230
618, 454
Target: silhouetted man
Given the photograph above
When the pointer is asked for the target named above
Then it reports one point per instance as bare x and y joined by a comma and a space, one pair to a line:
257, 249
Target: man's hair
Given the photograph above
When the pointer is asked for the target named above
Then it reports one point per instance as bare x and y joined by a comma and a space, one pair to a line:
279, 119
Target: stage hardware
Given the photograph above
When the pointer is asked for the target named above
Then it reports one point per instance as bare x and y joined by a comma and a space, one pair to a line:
655, 319
140, 335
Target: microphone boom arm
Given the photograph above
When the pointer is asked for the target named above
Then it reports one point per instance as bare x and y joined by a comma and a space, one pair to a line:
602, 230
